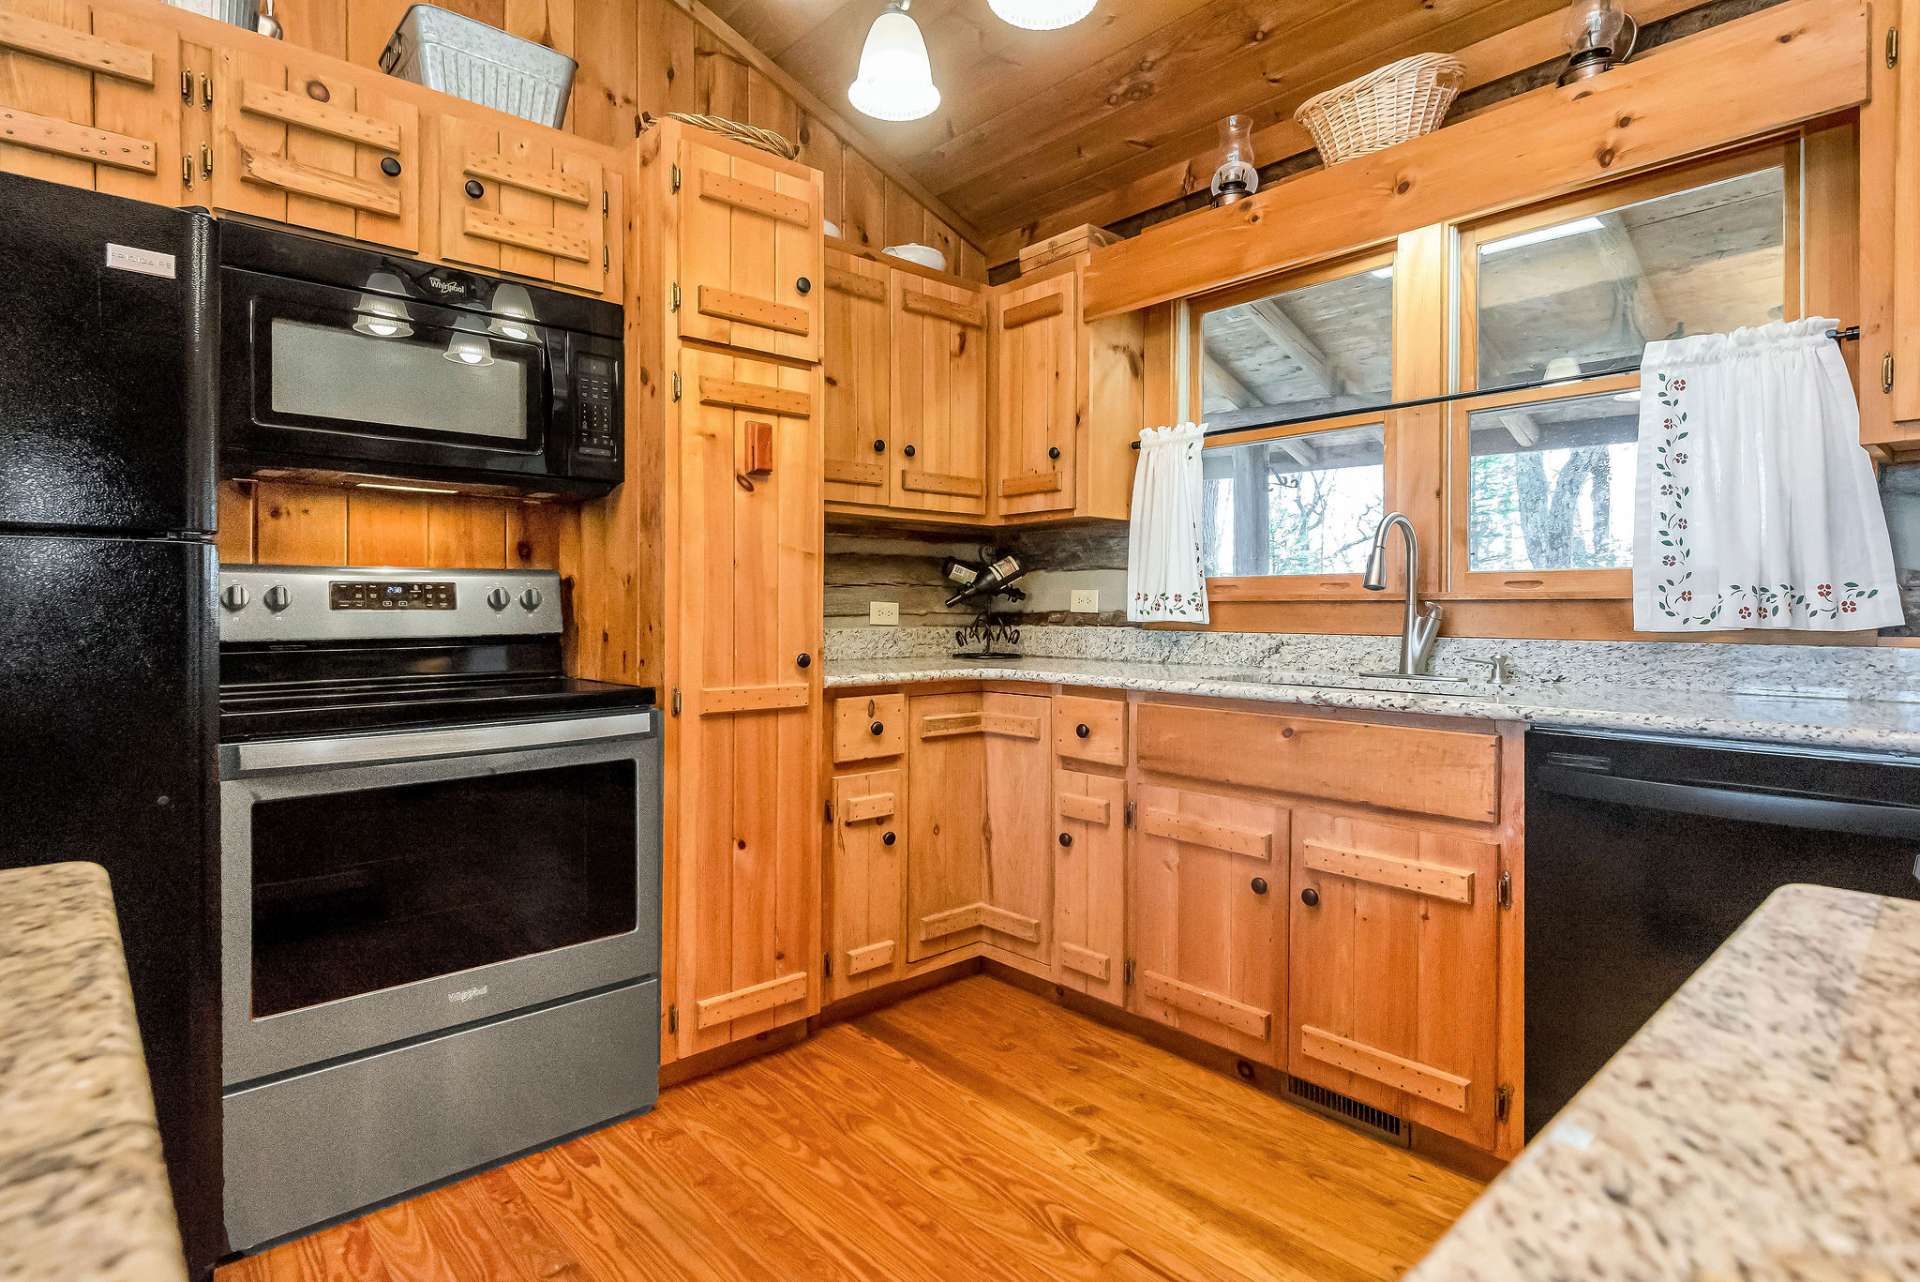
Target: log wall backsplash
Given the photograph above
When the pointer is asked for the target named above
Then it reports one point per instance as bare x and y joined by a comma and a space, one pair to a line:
869, 564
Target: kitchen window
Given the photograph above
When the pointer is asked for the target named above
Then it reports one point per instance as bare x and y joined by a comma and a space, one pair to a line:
1287, 500
1572, 292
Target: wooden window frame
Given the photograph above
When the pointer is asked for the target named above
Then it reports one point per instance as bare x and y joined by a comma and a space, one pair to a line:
1304, 587
1465, 583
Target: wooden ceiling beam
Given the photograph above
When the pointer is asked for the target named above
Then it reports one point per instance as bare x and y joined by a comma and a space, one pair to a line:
1175, 172
813, 106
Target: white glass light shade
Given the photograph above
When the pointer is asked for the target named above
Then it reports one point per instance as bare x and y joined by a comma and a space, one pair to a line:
1041, 15
895, 80
513, 312
378, 316
1595, 24
469, 349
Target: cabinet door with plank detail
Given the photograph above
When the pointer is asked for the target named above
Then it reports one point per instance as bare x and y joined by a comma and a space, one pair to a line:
1017, 894
749, 250
524, 202
1209, 930
746, 617
90, 99
858, 363
1090, 884
869, 851
1037, 395
947, 828
939, 458
1394, 969
317, 146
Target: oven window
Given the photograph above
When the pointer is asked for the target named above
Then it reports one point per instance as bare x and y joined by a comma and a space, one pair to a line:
353, 893
384, 370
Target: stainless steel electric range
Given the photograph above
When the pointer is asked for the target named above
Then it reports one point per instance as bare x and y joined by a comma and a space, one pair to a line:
440, 886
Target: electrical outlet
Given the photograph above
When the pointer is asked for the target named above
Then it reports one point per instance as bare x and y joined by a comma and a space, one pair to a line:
885, 614
1085, 601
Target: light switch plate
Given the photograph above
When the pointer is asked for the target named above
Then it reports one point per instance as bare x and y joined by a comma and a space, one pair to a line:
1085, 601
885, 614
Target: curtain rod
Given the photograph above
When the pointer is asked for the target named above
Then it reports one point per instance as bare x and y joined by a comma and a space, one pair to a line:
1850, 334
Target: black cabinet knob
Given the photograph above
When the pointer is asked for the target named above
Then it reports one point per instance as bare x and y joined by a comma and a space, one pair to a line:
803, 659
1259, 885
879, 447
1310, 897
1066, 839
1054, 452
474, 189
390, 166
877, 729
804, 285
1083, 730
909, 451
887, 839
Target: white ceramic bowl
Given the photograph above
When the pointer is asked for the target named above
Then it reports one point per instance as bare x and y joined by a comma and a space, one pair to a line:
924, 255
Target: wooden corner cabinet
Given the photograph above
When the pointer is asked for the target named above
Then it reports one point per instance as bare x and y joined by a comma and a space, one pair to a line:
1233, 871
142, 100
950, 403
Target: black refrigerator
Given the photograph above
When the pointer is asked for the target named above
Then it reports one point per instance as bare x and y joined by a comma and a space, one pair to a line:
108, 645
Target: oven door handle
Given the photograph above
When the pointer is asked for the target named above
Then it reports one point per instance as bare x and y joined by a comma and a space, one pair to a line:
457, 741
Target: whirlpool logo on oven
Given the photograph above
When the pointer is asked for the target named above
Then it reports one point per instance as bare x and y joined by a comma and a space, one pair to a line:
467, 994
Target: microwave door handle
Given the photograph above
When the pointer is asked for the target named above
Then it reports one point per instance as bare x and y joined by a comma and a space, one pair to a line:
1782, 810
422, 745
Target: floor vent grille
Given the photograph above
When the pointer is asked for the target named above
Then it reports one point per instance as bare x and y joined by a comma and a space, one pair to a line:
1365, 1117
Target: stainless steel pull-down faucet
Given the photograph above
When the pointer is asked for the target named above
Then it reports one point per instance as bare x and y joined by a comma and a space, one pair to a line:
1421, 629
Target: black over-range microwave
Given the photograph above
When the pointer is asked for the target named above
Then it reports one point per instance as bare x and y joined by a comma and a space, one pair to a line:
339, 361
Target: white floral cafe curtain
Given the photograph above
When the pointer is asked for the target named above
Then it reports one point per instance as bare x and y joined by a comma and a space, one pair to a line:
1166, 582
1755, 505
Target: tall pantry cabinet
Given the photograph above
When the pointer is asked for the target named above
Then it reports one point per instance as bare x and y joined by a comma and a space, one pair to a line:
707, 575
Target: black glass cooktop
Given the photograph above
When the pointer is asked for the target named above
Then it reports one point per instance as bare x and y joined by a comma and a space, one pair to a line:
281, 692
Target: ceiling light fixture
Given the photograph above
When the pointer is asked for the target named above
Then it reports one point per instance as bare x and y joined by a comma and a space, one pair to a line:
895, 80
1041, 15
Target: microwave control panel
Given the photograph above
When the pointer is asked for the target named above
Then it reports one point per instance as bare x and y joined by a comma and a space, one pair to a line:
593, 392
377, 595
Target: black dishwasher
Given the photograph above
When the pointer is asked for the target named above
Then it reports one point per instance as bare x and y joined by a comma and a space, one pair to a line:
1644, 853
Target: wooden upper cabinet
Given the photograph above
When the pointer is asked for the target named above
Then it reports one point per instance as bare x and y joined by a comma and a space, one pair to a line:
315, 144
939, 454
90, 99
1393, 998
1209, 924
749, 250
1036, 394
525, 202
858, 346
1090, 883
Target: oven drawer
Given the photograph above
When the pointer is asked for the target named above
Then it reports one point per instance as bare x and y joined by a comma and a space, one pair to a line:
307, 1148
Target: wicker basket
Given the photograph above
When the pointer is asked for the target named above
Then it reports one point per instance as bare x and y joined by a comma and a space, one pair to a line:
1399, 102
752, 135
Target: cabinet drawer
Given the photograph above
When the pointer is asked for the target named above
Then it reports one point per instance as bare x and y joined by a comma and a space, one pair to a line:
869, 728
1090, 729
1437, 772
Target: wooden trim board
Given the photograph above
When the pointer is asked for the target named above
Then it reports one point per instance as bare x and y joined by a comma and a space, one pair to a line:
1435, 881
1202, 832
1248, 1021
1411, 1076
753, 1000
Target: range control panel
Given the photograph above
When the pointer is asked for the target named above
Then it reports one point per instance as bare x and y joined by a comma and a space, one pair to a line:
376, 594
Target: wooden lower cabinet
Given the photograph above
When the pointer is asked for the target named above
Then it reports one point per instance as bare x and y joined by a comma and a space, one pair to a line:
1090, 884
1018, 897
1209, 932
1394, 968
866, 861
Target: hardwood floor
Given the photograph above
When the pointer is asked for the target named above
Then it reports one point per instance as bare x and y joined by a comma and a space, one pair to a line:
975, 1131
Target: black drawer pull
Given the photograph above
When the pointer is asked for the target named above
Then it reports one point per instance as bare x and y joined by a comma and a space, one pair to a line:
1054, 453
909, 451
390, 166
1066, 839
474, 190
1310, 897
804, 285
803, 659
887, 839
877, 729
1259, 885
1083, 730
879, 447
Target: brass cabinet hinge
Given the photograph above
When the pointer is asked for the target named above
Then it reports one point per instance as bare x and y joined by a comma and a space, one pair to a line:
1886, 372
186, 172
1506, 888
1893, 46
1129, 814
676, 385
604, 204
676, 177
206, 161
186, 87
673, 1019
1126, 972
826, 965
673, 297
1502, 1102
676, 701
206, 93
829, 812
606, 260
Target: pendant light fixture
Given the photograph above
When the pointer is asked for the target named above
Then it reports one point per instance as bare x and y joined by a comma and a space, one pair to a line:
1041, 15
895, 80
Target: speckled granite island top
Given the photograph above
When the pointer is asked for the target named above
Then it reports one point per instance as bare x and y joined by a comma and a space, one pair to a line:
1764, 1125
83, 1190
1867, 724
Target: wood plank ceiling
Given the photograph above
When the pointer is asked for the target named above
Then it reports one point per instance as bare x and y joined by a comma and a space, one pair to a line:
1035, 123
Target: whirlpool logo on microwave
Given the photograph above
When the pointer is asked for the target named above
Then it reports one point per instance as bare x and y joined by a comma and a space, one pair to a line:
459, 995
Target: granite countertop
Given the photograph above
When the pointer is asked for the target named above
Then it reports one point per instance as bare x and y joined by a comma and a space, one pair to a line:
1764, 1125
1878, 725
83, 1189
